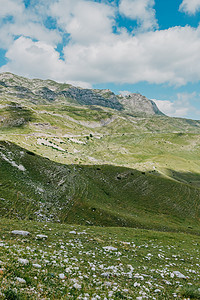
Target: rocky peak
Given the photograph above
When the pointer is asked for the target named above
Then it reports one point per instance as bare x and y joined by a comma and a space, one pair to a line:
137, 103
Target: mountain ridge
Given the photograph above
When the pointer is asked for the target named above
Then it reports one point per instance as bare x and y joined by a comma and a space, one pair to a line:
41, 91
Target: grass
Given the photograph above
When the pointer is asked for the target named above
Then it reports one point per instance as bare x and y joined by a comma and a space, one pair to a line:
121, 142
92, 262
33, 187
90, 178
123, 174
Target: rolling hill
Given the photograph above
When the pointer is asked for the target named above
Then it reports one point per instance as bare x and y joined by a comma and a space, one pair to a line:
35, 188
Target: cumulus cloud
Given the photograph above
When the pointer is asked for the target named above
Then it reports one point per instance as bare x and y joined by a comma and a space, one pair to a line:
33, 30
13, 8
36, 58
16, 20
140, 10
94, 53
190, 6
171, 109
171, 55
85, 21
178, 108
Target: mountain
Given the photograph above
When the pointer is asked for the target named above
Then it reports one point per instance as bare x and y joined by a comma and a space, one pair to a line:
98, 194
45, 91
139, 104
66, 158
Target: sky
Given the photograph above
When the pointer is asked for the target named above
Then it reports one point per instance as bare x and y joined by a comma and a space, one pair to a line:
146, 46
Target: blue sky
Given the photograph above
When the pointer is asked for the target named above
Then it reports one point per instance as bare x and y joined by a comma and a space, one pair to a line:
146, 46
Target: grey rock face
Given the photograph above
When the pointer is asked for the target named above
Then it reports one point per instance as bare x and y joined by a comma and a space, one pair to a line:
47, 94
90, 97
44, 91
39, 91
136, 103
3, 83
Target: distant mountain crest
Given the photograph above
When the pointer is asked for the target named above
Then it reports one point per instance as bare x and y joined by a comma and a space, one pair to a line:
46, 91
138, 103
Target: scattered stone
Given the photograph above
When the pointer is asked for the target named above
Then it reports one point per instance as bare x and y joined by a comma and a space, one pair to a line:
179, 274
61, 276
105, 274
37, 266
110, 248
20, 232
41, 237
77, 286
23, 261
136, 284
21, 280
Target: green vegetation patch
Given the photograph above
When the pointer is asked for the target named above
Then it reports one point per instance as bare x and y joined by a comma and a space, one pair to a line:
74, 262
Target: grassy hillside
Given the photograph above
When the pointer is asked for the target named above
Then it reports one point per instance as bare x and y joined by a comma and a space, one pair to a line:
95, 135
65, 169
92, 165
76, 262
33, 187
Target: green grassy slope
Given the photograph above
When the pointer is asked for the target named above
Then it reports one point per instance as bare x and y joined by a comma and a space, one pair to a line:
89, 165
37, 188
93, 165
102, 136
76, 262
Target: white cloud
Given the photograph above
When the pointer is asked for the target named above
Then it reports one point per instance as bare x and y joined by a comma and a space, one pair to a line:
63, 11
35, 59
10, 11
181, 107
11, 8
82, 84
140, 10
16, 20
95, 54
190, 6
171, 109
171, 55
85, 21
25, 28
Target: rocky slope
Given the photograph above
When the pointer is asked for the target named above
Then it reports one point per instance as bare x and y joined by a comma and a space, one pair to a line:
46, 91
137, 103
